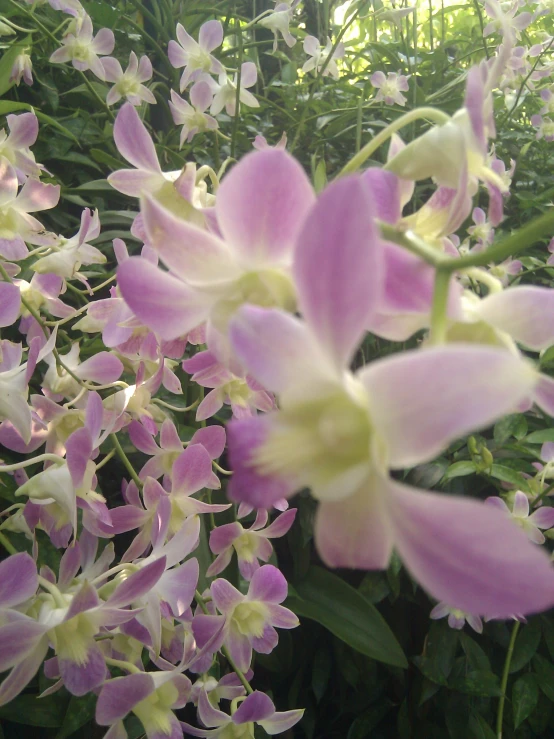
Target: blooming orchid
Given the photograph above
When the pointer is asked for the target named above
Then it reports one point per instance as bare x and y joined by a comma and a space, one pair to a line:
338, 433
192, 116
278, 21
22, 69
14, 146
390, 87
196, 56
320, 57
542, 518
226, 91
456, 618
128, 84
83, 49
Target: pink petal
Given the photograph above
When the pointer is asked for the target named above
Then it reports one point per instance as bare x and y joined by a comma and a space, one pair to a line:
212, 439
18, 579
141, 439
222, 537
281, 721
262, 204
385, 193
104, 41
524, 312
355, 531
422, 400
10, 303
268, 584
210, 35
159, 300
225, 596
17, 639
133, 140
469, 555
102, 368
191, 470
137, 584
80, 679
543, 394
23, 673
543, 517
256, 707
340, 244
118, 697
23, 129
281, 525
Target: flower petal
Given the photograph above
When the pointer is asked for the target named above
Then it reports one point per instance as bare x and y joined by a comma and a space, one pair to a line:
422, 400
262, 204
339, 266
470, 555
524, 312
133, 140
118, 697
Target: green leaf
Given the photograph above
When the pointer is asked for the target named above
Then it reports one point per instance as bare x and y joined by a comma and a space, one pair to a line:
545, 674
525, 696
460, 469
539, 437
514, 425
479, 728
46, 712
79, 712
476, 657
368, 721
441, 646
507, 474
321, 672
477, 682
526, 645
325, 598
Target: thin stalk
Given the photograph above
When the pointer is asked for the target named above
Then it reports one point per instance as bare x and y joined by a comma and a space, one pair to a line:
358, 159
504, 683
125, 459
481, 24
97, 96
438, 309
237, 94
6, 543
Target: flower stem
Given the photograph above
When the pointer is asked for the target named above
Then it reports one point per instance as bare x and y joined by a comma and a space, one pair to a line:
97, 96
6, 543
365, 152
125, 459
504, 683
438, 310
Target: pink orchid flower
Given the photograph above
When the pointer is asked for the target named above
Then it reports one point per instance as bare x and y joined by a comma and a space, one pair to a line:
390, 87
338, 433
192, 116
319, 55
225, 91
82, 49
14, 146
22, 69
129, 84
196, 57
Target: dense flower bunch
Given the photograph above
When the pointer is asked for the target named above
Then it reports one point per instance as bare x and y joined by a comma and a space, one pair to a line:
260, 291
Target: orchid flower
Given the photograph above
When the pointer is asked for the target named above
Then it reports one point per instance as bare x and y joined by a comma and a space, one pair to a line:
482, 231
196, 57
260, 208
68, 255
319, 56
456, 618
544, 126
390, 88
102, 368
226, 91
251, 545
128, 84
17, 226
542, 518
278, 21
243, 394
192, 116
257, 708
151, 696
82, 49
516, 23
179, 191
337, 433
247, 621
14, 146
22, 69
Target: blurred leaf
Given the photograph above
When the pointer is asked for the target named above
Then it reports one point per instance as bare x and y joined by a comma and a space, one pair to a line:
545, 674
440, 650
8, 59
477, 682
525, 695
460, 469
507, 474
45, 712
526, 645
368, 721
321, 672
479, 728
514, 425
79, 712
330, 601
539, 437
476, 657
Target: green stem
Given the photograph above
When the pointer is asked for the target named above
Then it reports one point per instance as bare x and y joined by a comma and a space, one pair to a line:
97, 96
481, 24
438, 309
6, 543
237, 94
35, 20
504, 683
522, 239
125, 459
356, 162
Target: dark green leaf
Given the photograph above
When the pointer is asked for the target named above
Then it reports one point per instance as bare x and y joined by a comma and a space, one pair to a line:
46, 712
545, 674
479, 728
321, 672
79, 712
539, 437
514, 425
477, 682
364, 724
526, 645
525, 695
460, 469
476, 657
327, 599
507, 474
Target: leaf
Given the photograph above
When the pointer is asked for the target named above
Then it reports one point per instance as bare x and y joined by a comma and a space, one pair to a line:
526, 645
367, 721
46, 712
539, 437
477, 682
507, 474
325, 598
79, 712
321, 672
476, 657
96, 186
479, 728
440, 650
525, 696
460, 469
514, 425
545, 674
